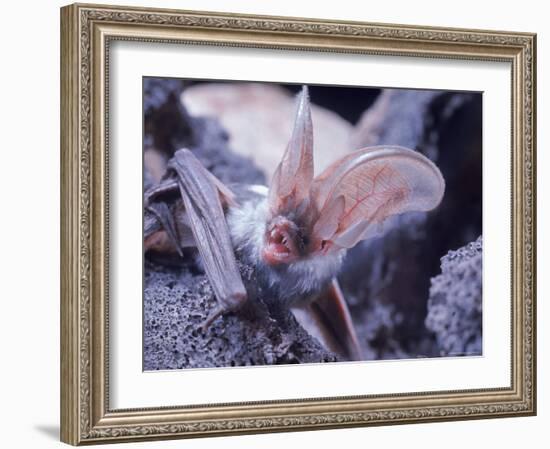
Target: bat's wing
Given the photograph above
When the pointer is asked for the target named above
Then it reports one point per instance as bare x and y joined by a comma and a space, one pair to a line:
201, 223
355, 195
159, 230
167, 228
327, 318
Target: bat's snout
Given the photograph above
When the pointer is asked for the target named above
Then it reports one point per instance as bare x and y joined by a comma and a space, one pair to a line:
280, 242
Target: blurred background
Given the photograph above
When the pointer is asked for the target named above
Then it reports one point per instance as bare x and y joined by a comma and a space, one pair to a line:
413, 292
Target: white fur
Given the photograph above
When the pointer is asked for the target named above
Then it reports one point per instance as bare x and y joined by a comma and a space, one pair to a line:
247, 224
291, 283
259, 189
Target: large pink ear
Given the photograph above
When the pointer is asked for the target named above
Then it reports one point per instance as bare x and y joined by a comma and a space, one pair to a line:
292, 179
355, 194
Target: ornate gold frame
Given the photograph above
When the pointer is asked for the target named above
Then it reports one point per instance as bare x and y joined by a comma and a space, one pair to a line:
86, 31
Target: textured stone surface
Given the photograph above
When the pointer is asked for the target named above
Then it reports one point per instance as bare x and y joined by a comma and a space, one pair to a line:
176, 304
455, 303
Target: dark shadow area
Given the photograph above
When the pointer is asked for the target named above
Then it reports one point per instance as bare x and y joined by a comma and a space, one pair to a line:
50, 431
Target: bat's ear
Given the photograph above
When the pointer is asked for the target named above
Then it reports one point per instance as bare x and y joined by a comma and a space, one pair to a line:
355, 194
293, 176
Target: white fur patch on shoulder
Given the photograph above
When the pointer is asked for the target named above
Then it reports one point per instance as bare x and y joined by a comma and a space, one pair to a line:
247, 227
259, 189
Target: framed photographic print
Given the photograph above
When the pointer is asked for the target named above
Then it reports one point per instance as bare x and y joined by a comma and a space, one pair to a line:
279, 224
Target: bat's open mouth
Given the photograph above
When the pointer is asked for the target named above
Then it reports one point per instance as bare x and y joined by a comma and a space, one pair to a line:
279, 243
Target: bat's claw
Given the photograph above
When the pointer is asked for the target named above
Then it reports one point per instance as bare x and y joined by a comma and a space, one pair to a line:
213, 316
230, 304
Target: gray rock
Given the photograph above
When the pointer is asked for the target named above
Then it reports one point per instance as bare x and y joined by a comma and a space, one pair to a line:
455, 303
176, 304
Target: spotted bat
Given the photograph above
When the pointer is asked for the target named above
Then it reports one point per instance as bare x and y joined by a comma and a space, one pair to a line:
295, 233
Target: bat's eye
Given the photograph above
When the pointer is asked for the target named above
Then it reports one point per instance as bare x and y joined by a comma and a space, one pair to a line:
304, 241
325, 246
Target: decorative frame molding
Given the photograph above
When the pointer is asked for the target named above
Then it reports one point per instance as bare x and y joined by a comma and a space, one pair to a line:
86, 31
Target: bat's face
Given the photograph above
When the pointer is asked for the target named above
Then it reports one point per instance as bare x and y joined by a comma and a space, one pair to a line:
287, 239
284, 241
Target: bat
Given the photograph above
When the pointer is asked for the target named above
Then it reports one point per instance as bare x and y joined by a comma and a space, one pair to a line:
295, 233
